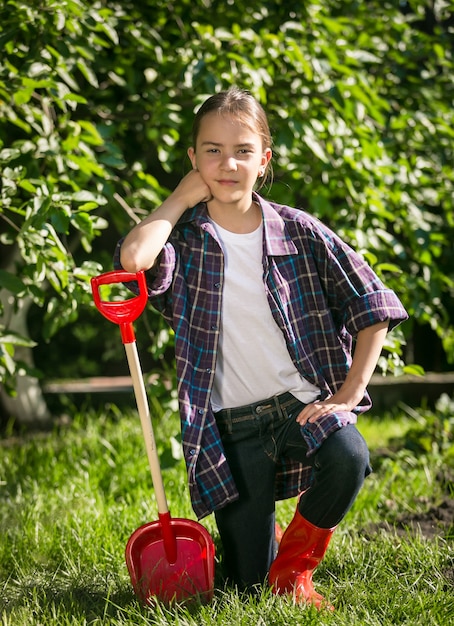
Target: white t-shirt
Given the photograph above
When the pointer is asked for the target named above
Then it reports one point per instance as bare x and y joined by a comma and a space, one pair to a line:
253, 362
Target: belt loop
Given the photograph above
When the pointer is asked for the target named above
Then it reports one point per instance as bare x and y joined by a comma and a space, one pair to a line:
279, 407
229, 421
224, 417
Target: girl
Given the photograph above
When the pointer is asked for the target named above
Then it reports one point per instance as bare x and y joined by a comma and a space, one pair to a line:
264, 301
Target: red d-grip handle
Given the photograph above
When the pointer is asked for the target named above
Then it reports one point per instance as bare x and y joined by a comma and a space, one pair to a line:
124, 312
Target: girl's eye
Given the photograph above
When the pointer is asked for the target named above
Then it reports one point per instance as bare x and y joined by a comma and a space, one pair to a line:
240, 151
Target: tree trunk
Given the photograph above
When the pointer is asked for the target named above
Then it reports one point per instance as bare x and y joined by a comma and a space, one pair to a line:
28, 406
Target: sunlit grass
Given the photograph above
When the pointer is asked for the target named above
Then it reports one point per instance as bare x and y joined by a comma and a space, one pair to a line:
380, 430
69, 501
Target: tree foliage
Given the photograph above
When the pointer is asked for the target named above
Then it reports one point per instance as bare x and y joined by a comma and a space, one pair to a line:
96, 104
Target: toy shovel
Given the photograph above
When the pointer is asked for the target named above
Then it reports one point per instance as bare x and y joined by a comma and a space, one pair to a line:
171, 560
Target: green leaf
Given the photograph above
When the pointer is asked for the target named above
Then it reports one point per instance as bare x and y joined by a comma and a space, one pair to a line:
83, 222
9, 338
87, 72
11, 282
27, 186
9, 154
109, 31
414, 370
316, 146
60, 221
388, 267
76, 98
87, 196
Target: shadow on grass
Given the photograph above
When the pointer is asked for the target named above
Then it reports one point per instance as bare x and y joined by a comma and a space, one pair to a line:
82, 602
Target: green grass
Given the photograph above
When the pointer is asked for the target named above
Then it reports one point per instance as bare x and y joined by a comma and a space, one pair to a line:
69, 501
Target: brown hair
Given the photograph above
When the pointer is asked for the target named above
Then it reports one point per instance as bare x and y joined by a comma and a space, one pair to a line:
245, 108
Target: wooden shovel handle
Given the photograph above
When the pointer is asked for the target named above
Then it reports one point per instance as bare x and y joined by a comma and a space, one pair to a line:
147, 427
124, 313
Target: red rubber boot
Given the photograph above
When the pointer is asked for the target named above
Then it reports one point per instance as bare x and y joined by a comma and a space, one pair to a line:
302, 547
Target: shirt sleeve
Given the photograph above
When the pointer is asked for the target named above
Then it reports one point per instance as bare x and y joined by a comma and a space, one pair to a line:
372, 308
159, 278
354, 291
314, 434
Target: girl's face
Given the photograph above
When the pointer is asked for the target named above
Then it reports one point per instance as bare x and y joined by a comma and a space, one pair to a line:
230, 157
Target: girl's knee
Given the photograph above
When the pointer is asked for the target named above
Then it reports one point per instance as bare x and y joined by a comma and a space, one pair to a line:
347, 450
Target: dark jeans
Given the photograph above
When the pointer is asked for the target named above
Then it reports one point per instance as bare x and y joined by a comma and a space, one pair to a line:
254, 441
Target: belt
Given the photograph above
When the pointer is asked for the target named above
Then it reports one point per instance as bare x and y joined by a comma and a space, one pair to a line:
252, 411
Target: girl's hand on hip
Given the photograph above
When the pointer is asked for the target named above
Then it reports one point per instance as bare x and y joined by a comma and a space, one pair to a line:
318, 409
345, 399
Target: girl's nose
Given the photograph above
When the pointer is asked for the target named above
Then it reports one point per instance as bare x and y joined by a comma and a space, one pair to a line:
229, 163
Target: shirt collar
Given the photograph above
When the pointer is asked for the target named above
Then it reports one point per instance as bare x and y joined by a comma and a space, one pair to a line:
278, 241
197, 214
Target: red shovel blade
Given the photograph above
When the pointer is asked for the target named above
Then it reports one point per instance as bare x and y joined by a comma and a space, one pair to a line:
190, 576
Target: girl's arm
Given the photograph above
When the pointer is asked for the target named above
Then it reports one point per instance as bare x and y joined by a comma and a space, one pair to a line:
369, 344
145, 241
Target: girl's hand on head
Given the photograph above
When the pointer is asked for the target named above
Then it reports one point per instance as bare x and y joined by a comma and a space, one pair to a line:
193, 189
142, 245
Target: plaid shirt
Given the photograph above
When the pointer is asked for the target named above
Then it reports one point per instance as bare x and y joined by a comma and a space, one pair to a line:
320, 292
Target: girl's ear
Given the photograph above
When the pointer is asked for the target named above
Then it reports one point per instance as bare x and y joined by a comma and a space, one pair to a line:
192, 157
266, 157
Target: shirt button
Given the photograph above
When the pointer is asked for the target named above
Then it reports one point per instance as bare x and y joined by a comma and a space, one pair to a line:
200, 411
217, 285
192, 452
208, 370
214, 327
